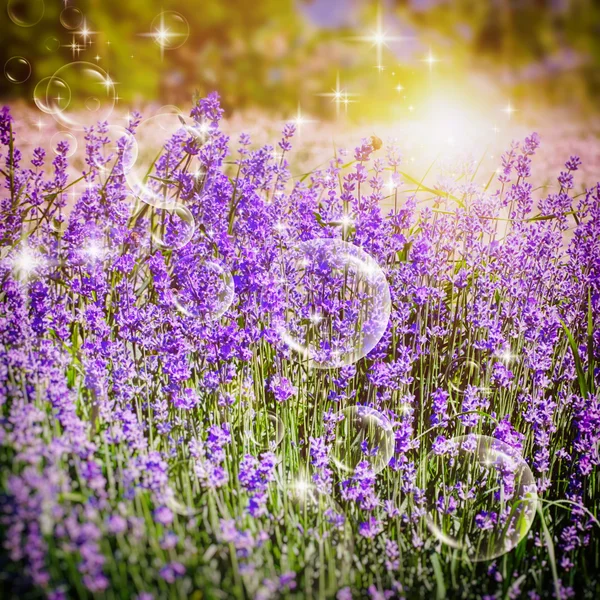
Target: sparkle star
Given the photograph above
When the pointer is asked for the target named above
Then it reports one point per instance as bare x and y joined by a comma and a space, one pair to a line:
162, 35
339, 95
509, 110
430, 59
75, 47
378, 39
300, 120
85, 32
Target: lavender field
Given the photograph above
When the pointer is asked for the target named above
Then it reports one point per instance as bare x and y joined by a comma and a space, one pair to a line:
222, 381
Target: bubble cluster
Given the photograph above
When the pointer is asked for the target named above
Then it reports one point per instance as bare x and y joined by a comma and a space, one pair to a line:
202, 289
17, 69
172, 227
155, 177
71, 17
90, 98
25, 13
481, 496
362, 434
337, 302
170, 30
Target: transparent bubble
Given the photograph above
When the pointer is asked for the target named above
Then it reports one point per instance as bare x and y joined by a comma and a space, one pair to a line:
169, 109
170, 30
337, 302
17, 69
321, 535
362, 434
481, 496
25, 13
202, 289
52, 44
92, 95
64, 136
51, 94
263, 431
172, 227
463, 373
156, 176
71, 17
118, 144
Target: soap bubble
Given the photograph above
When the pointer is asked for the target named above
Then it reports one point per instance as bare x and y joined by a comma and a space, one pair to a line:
51, 94
169, 109
316, 526
362, 434
481, 496
172, 227
17, 69
170, 30
92, 95
155, 177
64, 136
25, 13
337, 302
109, 153
52, 44
463, 373
71, 17
263, 431
202, 289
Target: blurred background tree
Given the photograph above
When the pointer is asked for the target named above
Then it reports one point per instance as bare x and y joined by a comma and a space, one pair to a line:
275, 54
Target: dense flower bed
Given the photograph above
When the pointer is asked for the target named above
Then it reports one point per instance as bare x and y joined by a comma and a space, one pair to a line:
232, 383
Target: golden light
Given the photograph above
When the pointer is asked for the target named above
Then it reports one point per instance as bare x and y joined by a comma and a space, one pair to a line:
430, 59
509, 110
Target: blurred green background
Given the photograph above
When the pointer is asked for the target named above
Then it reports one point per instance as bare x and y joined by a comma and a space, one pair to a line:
277, 54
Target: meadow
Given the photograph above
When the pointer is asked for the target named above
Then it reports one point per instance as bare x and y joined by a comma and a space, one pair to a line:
222, 380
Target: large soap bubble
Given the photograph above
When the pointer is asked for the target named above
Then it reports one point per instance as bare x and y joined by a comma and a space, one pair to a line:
91, 96
481, 496
337, 302
362, 434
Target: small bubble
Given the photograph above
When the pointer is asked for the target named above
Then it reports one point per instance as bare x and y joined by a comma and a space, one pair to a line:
64, 136
71, 17
52, 44
463, 373
172, 228
362, 434
17, 69
51, 94
92, 104
117, 141
25, 13
202, 289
